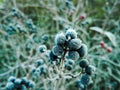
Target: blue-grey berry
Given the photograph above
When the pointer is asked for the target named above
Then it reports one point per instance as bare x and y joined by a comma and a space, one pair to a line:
90, 69
31, 84
36, 73
83, 63
10, 86
71, 34
43, 69
85, 79
83, 51
17, 83
24, 81
74, 55
45, 37
42, 48
70, 61
68, 67
39, 62
57, 50
23, 87
60, 39
52, 57
74, 44
78, 84
11, 79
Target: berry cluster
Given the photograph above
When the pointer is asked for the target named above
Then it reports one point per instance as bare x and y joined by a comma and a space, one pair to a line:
69, 48
40, 68
68, 45
85, 79
19, 84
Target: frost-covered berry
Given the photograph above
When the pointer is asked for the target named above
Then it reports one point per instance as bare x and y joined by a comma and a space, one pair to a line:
17, 83
11, 79
42, 48
36, 72
68, 67
31, 84
83, 63
78, 84
10, 86
23, 87
60, 39
85, 79
74, 55
71, 34
70, 61
39, 62
24, 81
83, 51
90, 69
74, 44
57, 50
52, 57
43, 69
45, 37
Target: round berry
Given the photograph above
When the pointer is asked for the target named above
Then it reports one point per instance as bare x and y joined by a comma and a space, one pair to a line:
36, 73
10, 86
74, 44
39, 62
74, 55
52, 57
31, 84
82, 17
68, 67
17, 83
11, 79
70, 61
60, 39
24, 81
71, 34
43, 69
83, 63
85, 79
83, 51
90, 69
42, 48
102, 44
57, 50
78, 84
23, 87
45, 37
109, 49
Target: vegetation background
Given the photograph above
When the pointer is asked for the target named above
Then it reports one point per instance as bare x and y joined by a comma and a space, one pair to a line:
94, 20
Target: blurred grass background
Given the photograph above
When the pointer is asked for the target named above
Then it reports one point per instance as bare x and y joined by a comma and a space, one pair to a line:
101, 23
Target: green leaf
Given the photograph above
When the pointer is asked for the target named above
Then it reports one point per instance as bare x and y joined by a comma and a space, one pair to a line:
111, 37
97, 29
